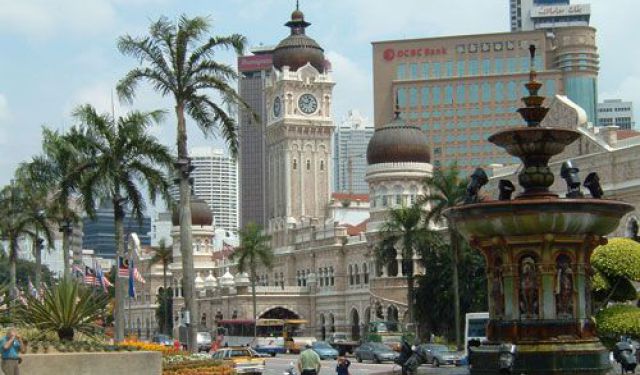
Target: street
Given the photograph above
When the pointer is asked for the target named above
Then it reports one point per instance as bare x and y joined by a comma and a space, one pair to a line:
278, 365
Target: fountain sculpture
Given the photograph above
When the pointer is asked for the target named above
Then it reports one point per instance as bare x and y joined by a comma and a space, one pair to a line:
537, 247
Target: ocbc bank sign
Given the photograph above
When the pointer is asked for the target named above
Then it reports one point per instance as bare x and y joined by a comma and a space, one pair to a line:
390, 54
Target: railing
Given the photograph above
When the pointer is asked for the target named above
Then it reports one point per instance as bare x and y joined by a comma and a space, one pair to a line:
288, 289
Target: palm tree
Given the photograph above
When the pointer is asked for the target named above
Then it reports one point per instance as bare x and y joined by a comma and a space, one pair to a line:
404, 231
163, 254
254, 251
445, 190
20, 216
177, 61
121, 156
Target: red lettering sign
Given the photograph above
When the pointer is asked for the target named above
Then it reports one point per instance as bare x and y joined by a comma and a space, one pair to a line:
389, 54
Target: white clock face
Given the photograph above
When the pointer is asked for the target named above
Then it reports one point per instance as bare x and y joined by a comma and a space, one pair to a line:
308, 103
277, 106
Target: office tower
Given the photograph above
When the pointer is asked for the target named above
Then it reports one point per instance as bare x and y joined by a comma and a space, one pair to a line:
615, 112
215, 179
350, 142
527, 15
461, 89
254, 70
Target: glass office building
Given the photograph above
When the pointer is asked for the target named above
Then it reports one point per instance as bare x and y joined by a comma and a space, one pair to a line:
350, 141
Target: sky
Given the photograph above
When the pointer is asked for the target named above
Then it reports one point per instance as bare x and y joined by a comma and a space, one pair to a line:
58, 54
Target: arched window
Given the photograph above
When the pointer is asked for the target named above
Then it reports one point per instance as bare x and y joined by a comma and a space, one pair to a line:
320, 278
365, 272
331, 277
295, 164
298, 278
357, 273
308, 164
322, 165
350, 275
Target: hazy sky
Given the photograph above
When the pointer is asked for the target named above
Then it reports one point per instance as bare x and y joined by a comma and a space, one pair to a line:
57, 54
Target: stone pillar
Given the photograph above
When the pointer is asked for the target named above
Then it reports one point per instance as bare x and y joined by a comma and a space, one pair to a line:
400, 270
385, 271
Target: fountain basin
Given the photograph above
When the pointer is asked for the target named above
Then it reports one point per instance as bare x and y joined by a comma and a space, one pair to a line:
528, 142
538, 216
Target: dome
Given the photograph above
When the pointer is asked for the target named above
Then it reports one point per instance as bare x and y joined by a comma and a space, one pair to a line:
210, 282
242, 279
198, 281
296, 50
397, 142
227, 279
200, 213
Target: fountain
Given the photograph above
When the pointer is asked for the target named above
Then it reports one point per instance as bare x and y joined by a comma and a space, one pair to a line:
537, 247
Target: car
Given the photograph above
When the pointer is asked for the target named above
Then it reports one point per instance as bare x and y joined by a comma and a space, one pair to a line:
204, 341
439, 354
324, 350
376, 352
242, 359
165, 340
393, 342
258, 354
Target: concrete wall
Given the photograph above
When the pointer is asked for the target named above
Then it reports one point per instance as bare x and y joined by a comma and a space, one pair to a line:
139, 363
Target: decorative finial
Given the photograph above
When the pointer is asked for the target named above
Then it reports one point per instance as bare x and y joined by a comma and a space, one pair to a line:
397, 111
297, 4
534, 112
532, 63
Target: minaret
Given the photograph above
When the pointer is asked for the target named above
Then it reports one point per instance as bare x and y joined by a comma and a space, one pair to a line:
299, 129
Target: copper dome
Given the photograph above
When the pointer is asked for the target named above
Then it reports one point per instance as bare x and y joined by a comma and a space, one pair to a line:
397, 143
200, 213
296, 50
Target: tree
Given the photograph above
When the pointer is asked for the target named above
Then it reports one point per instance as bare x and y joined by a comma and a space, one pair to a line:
20, 216
177, 61
404, 233
446, 190
163, 255
164, 312
120, 156
25, 270
254, 251
617, 266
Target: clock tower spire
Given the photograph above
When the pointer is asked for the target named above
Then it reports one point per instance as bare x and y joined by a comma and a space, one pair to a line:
299, 130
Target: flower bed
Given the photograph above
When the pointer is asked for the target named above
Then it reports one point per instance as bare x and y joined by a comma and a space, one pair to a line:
152, 347
201, 367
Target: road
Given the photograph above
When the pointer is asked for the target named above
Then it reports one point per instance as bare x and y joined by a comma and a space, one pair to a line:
278, 365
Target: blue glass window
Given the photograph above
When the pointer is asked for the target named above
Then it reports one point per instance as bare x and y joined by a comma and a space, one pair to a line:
401, 71
451, 138
473, 67
537, 62
499, 92
511, 88
436, 95
449, 68
473, 93
437, 138
512, 61
425, 70
486, 66
425, 96
525, 64
437, 72
486, 92
499, 65
448, 94
435, 126
413, 69
413, 97
550, 87
402, 97
461, 71
460, 99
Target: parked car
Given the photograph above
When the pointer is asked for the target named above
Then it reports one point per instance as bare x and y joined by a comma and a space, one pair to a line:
438, 354
242, 359
375, 351
341, 343
324, 350
393, 342
165, 340
204, 341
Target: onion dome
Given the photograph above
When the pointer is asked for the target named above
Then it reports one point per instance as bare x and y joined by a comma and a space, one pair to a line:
227, 279
200, 213
210, 281
296, 50
398, 142
198, 281
242, 279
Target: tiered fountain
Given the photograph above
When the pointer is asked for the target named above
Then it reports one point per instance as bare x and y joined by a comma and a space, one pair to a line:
537, 247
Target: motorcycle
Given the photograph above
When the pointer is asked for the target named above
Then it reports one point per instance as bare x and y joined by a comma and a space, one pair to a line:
410, 358
624, 354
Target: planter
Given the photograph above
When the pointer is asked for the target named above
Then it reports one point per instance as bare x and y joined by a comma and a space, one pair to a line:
101, 363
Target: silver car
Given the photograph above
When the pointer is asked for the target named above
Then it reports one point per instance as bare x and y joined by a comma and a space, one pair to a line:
438, 354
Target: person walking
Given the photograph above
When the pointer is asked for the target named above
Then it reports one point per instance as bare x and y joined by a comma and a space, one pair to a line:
309, 362
343, 366
11, 346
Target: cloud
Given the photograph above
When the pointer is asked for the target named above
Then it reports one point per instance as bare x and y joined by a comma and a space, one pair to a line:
353, 88
4, 119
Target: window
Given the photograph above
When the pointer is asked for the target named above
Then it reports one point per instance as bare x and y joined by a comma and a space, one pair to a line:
448, 94
436, 95
357, 273
398, 200
499, 65
512, 62
400, 71
295, 164
425, 70
486, 92
449, 68
550, 88
486, 66
473, 93
499, 92
331, 277
413, 71
365, 272
402, 100
350, 275
437, 70
425, 96
413, 97
322, 165
461, 68
308, 164
460, 94
511, 87
473, 67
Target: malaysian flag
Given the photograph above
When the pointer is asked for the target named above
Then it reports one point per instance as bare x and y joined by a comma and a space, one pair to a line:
89, 276
123, 267
138, 276
100, 277
77, 271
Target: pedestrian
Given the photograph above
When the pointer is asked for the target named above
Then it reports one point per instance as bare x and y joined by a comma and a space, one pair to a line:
343, 366
309, 362
12, 345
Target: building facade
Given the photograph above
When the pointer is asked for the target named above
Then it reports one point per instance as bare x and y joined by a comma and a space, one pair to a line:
215, 179
527, 15
350, 142
99, 233
461, 89
615, 112
254, 71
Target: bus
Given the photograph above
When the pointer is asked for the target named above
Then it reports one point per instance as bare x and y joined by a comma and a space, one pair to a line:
234, 332
475, 329
273, 333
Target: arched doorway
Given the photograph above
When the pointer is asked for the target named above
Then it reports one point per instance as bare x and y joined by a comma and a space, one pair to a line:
279, 313
355, 325
323, 329
392, 313
332, 324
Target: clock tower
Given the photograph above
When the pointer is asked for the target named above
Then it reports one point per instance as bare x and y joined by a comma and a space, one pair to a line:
299, 130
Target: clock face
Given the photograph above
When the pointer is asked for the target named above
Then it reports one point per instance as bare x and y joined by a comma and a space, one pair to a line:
308, 103
277, 106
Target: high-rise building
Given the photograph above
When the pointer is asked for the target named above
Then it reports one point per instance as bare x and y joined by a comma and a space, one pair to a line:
99, 233
615, 112
253, 178
215, 179
350, 142
461, 89
527, 15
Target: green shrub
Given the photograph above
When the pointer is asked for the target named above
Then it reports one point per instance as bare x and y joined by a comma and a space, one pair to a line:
619, 258
618, 320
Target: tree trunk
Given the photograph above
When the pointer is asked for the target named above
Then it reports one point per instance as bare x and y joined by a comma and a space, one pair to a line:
66, 245
13, 258
120, 283
37, 253
165, 297
456, 289
410, 291
186, 249
255, 309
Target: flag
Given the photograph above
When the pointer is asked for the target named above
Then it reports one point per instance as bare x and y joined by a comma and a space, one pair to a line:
123, 267
100, 278
227, 248
89, 276
32, 289
132, 289
77, 271
105, 281
138, 276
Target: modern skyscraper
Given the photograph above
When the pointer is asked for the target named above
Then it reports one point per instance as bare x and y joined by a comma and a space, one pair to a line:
254, 71
615, 112
99, 233
527, 15
215, 179
350, 142
461, 89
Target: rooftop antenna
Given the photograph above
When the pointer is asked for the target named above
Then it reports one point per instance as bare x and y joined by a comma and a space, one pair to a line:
297, 4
